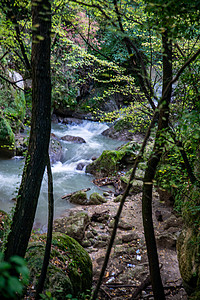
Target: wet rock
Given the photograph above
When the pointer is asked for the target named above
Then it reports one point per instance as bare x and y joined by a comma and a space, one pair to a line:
112, 161
80, 166
74, 225
55, 149
73, 139
72, 121
54, 119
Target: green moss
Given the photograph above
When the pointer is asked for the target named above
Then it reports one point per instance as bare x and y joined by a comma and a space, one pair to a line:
79, 197
96, 198
188, 249
70, 268
6, 134
112, 161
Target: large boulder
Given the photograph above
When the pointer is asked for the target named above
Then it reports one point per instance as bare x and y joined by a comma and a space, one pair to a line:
74, 225
112, 161
73, 139
123, 131
70, 267
188, 249
79, 197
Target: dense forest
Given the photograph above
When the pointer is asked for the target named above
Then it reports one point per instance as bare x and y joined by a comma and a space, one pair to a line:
134, 66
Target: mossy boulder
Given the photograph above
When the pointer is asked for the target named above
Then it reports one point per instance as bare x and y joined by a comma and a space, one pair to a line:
74, 225
79, 197
96, 198
112, 161
188, 249
7, 138
70, 267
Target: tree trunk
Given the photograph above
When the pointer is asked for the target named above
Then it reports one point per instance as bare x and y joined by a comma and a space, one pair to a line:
151, 169
40, 132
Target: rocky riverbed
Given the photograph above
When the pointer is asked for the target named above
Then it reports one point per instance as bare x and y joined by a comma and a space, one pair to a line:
92, 225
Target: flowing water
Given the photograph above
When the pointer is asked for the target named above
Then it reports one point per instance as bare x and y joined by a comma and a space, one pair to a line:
67, 178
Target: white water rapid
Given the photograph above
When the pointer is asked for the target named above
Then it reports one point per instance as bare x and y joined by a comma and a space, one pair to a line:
66, 177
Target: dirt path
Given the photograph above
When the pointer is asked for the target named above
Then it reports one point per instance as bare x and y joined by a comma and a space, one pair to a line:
128, 264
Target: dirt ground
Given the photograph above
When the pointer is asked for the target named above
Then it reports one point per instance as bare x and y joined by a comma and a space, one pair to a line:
128, 264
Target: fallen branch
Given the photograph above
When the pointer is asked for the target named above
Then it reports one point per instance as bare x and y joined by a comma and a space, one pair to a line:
69, 195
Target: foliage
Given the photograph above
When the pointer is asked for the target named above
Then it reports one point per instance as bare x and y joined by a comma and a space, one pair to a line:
6, 134
10, 285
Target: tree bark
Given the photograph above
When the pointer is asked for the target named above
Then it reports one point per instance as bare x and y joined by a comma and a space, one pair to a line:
40, 132
154, 159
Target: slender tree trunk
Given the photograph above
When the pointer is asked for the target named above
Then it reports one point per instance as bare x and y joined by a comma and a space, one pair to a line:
41, 281
40, 132
151, 169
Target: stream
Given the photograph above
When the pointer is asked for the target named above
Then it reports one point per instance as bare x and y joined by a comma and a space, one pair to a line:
66, 177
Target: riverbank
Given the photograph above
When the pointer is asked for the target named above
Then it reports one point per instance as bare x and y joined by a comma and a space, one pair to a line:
128, 265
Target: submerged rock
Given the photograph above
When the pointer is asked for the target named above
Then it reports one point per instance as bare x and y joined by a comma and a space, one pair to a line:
70, 267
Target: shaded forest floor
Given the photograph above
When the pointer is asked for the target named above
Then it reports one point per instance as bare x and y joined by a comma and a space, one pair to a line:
128, 264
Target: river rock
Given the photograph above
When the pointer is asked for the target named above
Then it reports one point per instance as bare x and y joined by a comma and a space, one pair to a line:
73, 139
74, 225
55, 149
70, 268
122, 131
112, 161
72, 121
79, 197
80, 166
95, 199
